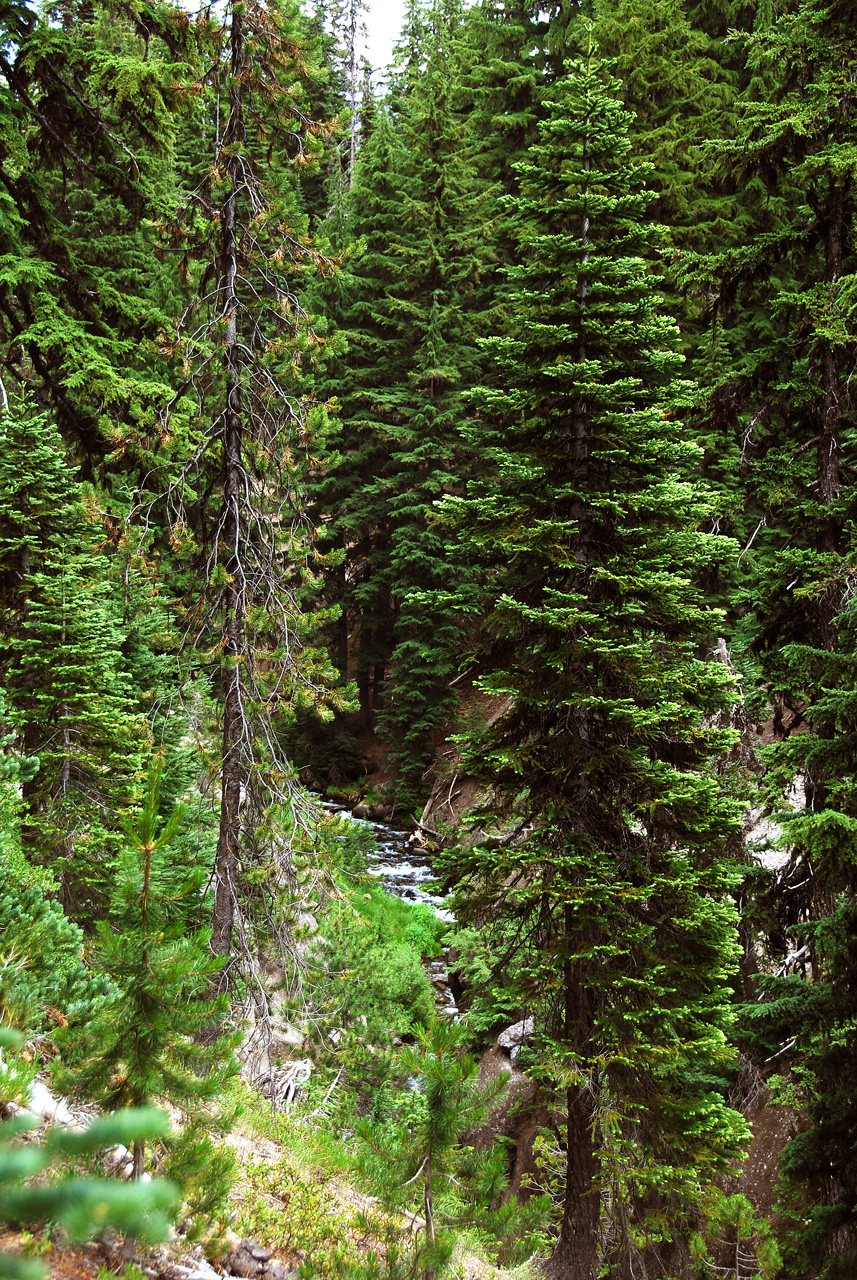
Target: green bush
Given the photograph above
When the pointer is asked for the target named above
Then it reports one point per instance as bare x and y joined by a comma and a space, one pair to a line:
41, 964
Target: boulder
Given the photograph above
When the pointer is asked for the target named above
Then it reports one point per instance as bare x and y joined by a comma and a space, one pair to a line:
279, 1271
249, 1259
513, 1037
43, 1104
198, 1269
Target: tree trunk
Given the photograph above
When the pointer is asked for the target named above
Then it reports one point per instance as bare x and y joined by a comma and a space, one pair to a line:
828, 441
428, 1211
574, 1256
233, 769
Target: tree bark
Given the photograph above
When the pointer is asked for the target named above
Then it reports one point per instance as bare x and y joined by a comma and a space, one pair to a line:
828, 440
574, 1256
575, 1253
233, 770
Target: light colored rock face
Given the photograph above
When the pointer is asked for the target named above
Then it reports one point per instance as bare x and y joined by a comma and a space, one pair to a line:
763, 834
513, 1037
286, 1036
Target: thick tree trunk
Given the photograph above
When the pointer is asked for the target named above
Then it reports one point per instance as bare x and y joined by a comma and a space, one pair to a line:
233, 770
574, 1257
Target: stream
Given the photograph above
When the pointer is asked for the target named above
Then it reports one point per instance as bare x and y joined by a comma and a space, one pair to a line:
404, 870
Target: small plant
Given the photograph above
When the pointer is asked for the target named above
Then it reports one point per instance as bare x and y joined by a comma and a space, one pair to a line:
205, 1172
35, 1246
291, 1211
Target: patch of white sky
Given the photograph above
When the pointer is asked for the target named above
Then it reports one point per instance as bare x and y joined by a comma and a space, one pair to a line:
383, 22
383, 28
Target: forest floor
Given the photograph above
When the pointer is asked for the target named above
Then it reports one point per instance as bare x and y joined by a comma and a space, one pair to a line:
289, 1198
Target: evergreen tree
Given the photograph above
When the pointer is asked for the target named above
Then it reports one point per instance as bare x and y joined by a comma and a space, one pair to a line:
420, 1159
244, 426
62, 666
90, 107
505, 79
682, 96
15, 769
786, 310
412, 313
598, 860
147, 1045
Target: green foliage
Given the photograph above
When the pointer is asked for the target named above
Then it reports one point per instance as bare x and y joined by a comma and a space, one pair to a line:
733, 1230
204, 1171
490, 998
15, 770
787, 335
153, 1040
285, 1209
597, 868
63, 666
81, 1206
42, 974
416, 1162
83, 175
373, 950
411, 308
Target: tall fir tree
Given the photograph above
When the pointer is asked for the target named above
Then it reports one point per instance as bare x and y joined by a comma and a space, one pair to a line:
598, 863
786, 309
412, 314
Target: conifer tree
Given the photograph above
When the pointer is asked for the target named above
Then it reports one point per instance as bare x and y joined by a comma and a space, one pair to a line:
420, 1159
681, 94
146, 1045
598, 860
90, 109
505, 81
246, 419
786, 310
62, 665
412, 314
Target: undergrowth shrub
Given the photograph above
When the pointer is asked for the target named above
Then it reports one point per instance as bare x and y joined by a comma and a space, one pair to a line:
290, 1211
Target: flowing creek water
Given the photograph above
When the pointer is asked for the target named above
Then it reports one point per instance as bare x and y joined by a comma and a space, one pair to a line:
404, 870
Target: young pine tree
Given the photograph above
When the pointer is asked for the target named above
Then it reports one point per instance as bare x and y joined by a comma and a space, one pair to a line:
599, 857
62, 663
148, 1045
420, 1162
